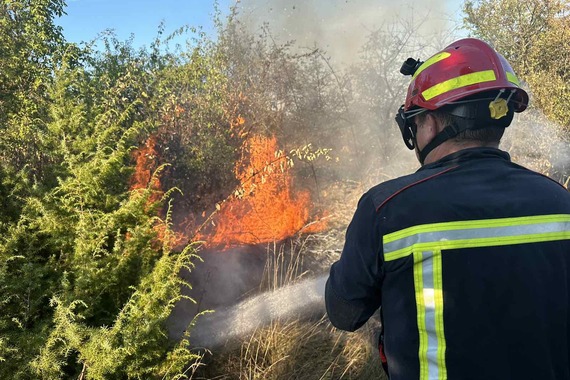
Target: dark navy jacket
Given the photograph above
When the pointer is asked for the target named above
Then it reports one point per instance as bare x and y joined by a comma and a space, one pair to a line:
469, 258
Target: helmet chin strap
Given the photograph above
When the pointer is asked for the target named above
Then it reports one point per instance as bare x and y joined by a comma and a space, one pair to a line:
498, 113
472, 114
448, 132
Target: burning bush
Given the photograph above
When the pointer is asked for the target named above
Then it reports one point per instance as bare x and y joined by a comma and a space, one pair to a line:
264, 208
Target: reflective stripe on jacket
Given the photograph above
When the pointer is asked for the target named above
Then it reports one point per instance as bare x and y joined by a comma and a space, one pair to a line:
470, 260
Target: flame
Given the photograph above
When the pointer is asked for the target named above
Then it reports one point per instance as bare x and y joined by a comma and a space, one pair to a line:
146, 162
265, 208
167, 237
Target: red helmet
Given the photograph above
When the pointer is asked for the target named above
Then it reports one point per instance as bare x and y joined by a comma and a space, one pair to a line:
468, 68
464, 68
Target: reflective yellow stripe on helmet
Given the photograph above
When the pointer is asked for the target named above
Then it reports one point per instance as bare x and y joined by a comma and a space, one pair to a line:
458, 82
435, 59
513, 79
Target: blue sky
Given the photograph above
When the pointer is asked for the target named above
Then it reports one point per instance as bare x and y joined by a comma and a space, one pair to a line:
87, 18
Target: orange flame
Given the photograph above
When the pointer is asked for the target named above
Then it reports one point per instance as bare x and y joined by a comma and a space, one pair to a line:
265, 208
146, 162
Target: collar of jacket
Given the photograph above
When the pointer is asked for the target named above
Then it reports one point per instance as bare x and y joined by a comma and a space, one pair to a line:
467, 154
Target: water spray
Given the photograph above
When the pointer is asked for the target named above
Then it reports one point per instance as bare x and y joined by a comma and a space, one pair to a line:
301, 300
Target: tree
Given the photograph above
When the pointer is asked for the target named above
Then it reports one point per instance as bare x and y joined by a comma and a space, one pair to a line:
533, 36
30, 46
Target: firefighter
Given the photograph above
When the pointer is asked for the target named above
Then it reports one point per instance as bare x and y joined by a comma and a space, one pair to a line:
468, 258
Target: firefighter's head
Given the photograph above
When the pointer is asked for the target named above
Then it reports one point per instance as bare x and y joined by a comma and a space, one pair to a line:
466, 94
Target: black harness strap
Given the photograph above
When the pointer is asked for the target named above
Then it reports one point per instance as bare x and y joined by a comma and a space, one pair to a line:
447, 133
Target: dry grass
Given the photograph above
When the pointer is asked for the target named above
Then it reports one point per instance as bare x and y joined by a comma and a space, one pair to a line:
298, 350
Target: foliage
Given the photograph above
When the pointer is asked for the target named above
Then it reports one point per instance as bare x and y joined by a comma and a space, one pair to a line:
135, 343
532, 36
28, 40
93, 281
88, 269
198, 133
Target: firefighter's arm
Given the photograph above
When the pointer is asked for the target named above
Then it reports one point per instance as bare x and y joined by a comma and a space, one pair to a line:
353, 290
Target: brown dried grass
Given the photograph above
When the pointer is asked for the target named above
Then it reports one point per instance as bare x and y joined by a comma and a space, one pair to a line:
299, 350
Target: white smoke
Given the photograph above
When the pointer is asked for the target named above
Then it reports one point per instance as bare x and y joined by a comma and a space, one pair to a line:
538, 144
340, 27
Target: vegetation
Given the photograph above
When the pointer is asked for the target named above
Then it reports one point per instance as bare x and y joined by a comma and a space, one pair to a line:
300, 350
87, 268
112, 159
531, 35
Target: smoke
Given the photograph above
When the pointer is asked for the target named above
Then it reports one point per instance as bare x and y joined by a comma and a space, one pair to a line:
538, 144
363, 43
339, 27
220, 279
